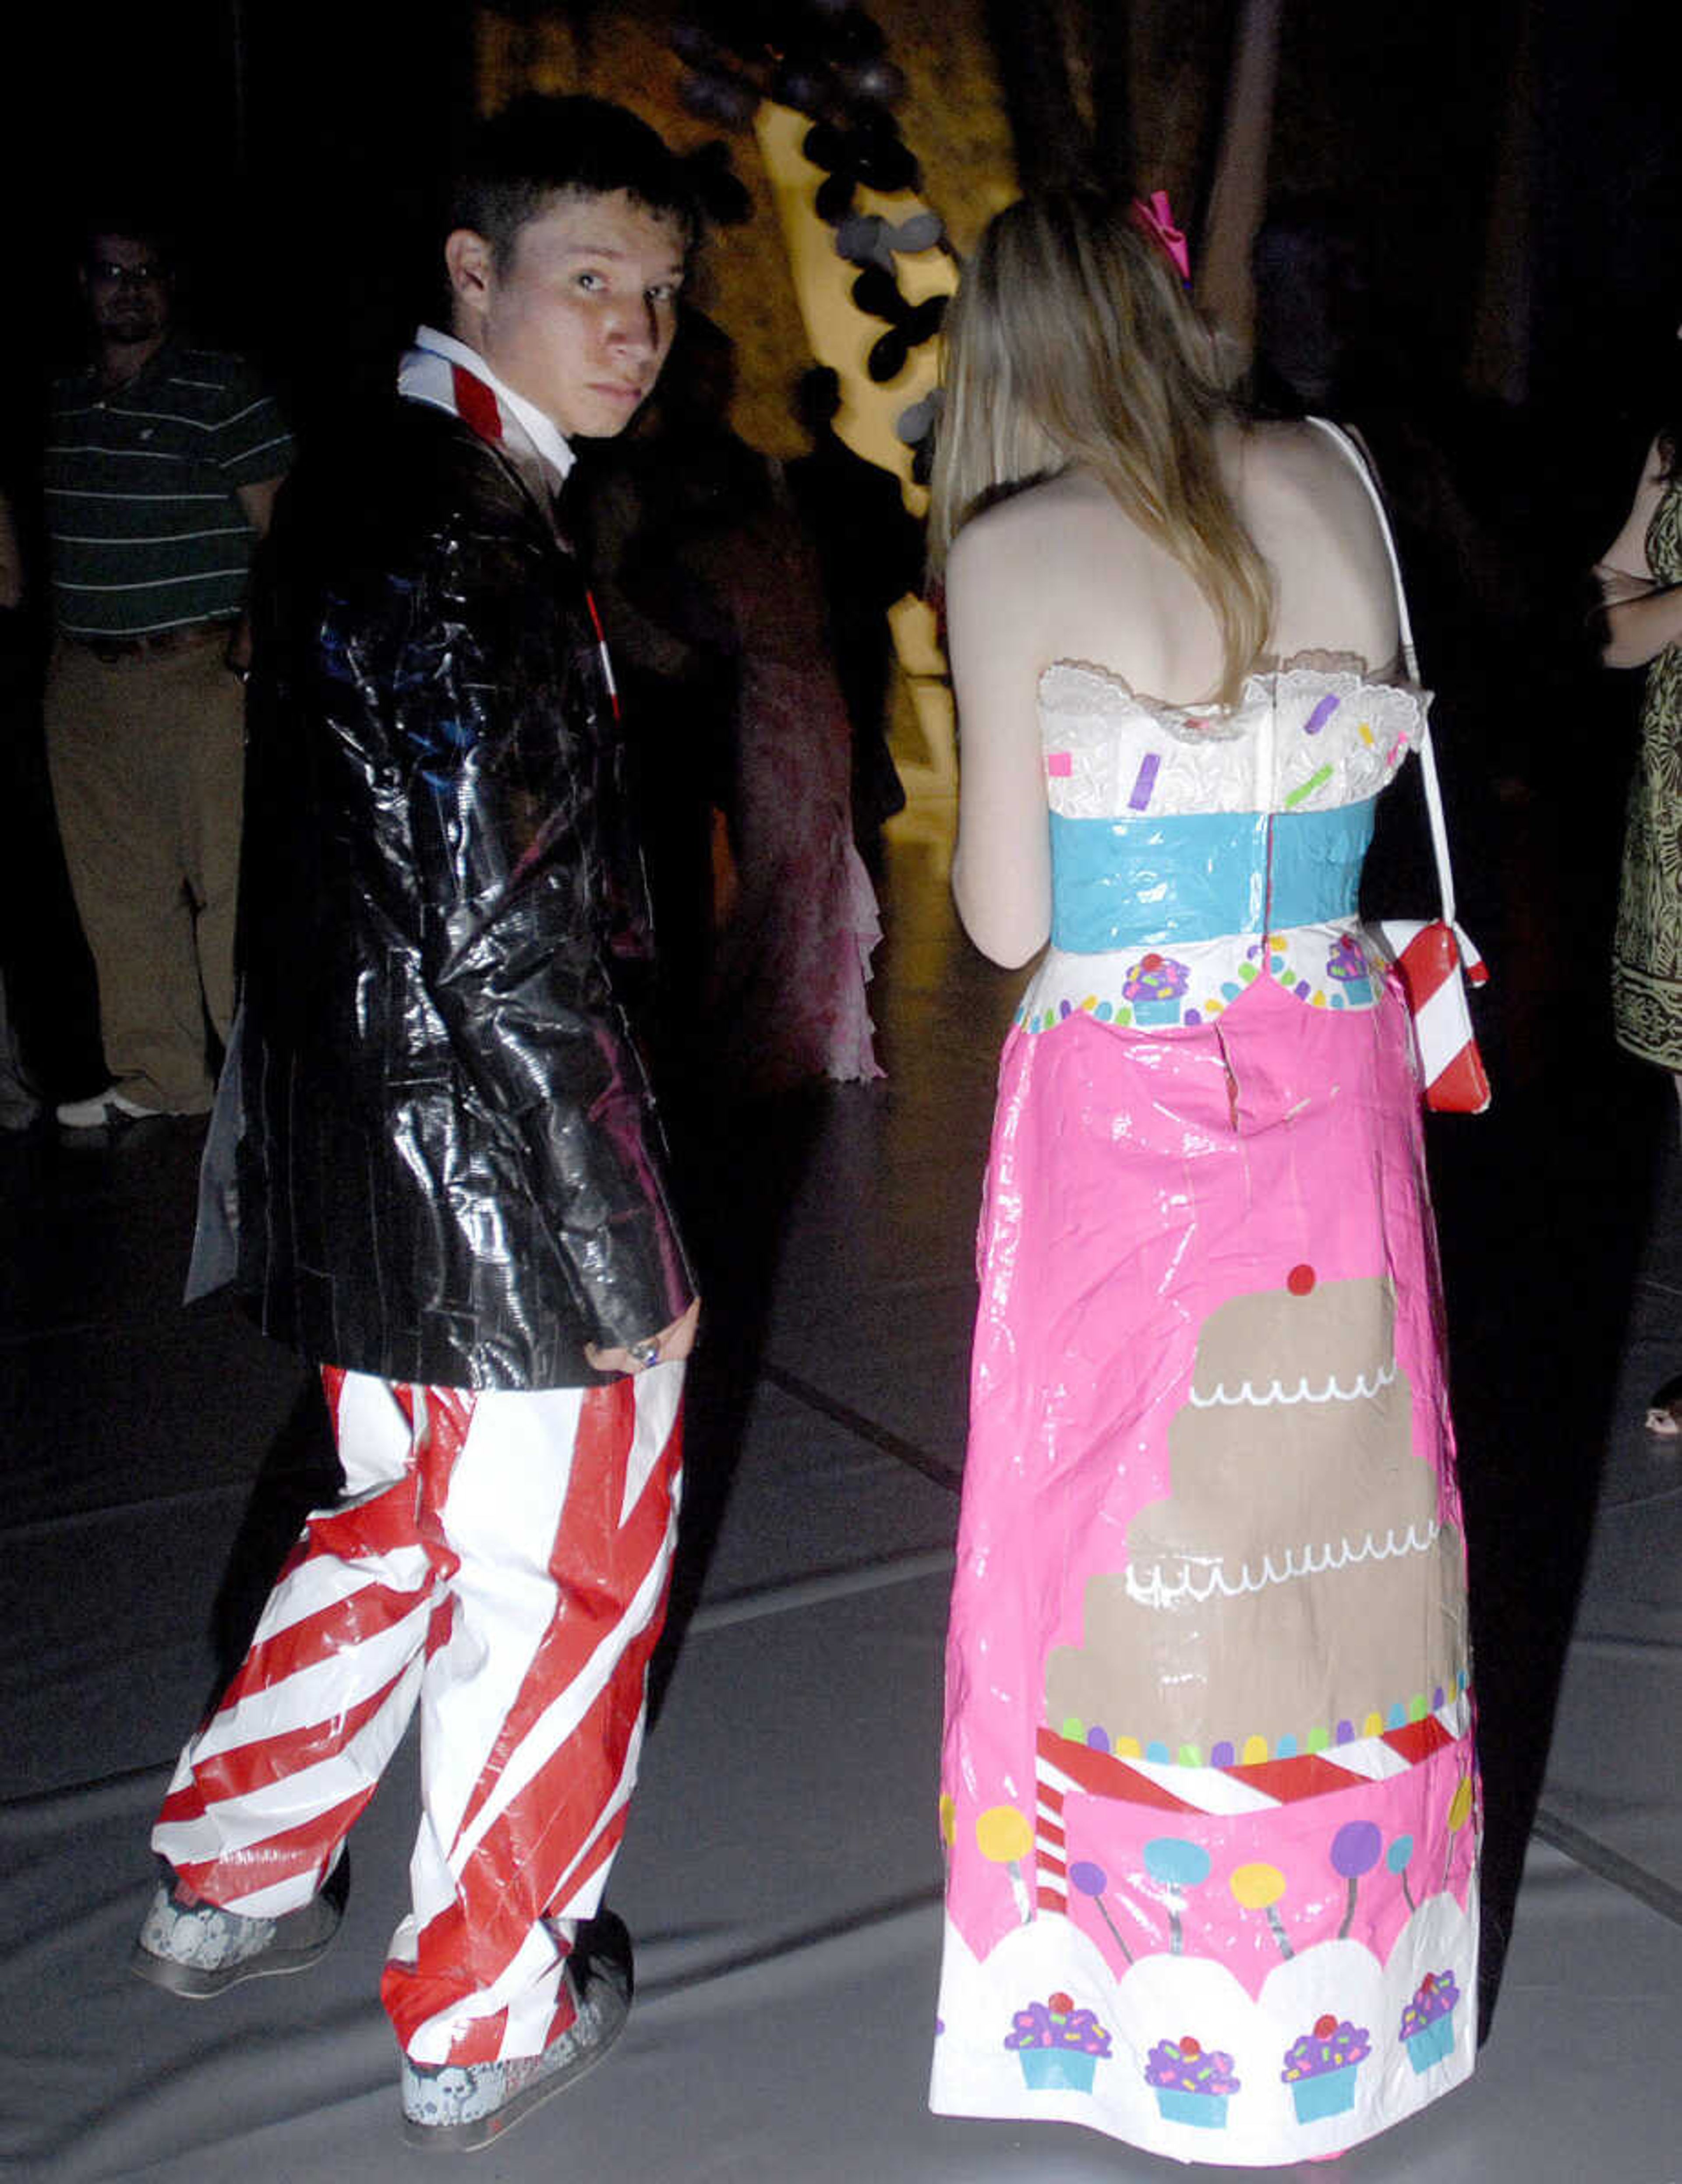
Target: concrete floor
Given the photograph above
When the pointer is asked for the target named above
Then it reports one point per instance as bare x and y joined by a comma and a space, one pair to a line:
781, 1871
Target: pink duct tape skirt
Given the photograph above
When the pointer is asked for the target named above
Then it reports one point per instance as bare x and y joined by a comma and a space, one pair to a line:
1209, 1797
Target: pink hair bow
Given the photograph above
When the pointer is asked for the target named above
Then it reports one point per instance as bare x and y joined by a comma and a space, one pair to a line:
1154, 216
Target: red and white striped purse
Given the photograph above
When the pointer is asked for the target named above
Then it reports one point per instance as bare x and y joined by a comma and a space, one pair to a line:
1436, 957
1436, 960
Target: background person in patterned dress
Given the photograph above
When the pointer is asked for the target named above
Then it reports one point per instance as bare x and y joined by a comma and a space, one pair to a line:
160, 470
1640, 580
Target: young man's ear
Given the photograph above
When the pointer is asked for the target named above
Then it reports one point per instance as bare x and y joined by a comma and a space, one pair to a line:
468, 260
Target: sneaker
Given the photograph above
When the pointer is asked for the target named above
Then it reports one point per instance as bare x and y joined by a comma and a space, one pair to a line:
102, 1109
459, 2107
196, 1949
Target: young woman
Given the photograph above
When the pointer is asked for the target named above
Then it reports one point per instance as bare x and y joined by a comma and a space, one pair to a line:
1210, 1790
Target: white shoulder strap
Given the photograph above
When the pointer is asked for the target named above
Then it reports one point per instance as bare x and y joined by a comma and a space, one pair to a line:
1362, 461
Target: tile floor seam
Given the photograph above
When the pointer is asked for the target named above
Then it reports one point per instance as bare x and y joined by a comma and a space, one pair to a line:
750, 1604
915, 1903
1609, 1865
949, 1475
38, 1528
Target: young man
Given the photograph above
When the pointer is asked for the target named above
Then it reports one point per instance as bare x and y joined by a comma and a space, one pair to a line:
449, 1188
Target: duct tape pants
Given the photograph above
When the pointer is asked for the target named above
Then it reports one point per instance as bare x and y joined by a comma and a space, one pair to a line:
502, 1556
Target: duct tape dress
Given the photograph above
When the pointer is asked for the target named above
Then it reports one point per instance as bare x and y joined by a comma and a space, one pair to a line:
1210, 1797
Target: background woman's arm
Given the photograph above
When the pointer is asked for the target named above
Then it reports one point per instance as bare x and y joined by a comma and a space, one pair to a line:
1640, 615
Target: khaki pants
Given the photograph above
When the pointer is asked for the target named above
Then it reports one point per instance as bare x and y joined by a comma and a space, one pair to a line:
147, 763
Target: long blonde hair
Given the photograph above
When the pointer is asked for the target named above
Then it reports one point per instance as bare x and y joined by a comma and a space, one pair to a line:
1072, 344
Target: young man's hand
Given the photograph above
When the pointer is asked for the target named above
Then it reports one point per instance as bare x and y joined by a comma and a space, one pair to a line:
676, 1340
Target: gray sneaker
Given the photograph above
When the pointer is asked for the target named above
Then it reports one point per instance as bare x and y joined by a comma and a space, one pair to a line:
196, 1949
458, 2107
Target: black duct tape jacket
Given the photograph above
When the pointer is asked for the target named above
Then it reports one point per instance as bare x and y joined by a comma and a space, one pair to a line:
449, 1169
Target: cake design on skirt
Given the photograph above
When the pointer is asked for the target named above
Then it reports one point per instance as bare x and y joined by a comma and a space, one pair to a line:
1192, 2084
1427, 2021
1320, 2067
1286, 1554
1059, 2045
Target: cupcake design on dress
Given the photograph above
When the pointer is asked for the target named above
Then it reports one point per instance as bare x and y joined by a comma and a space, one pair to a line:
1154, 985
1192, 2084
1320, 2067
1320, 973
1058, 2046
1347, 967
1427, 2021
1218, 972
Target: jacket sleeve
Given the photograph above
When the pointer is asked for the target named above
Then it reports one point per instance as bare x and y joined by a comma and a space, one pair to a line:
502, 736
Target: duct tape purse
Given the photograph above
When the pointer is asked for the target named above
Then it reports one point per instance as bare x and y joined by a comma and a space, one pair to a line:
1437, 962
1436, 957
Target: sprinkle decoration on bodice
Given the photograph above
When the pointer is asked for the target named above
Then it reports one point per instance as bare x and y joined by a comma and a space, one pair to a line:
1177, 833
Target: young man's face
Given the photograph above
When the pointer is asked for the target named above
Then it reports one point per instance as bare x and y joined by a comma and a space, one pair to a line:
579, 321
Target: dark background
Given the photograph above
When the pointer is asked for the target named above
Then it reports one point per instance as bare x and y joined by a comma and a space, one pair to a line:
299, 144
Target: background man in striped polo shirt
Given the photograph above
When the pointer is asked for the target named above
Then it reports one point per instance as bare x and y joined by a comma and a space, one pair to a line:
160, 470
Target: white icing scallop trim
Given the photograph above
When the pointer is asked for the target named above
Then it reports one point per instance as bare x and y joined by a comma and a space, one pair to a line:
1109, 745
1156, 1592
1274, 1392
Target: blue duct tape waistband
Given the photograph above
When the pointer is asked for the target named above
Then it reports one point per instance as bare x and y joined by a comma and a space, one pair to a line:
1145, 882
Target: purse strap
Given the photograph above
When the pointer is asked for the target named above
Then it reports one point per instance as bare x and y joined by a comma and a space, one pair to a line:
1357, 454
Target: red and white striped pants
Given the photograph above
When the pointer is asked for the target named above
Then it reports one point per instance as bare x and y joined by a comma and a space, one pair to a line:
504, 1556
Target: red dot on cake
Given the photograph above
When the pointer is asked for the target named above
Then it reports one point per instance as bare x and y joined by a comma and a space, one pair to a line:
1062, 2003
1299, 1280
1190, 2048
1324, 2027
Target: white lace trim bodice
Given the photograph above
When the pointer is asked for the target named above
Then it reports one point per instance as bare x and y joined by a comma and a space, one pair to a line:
1326, 736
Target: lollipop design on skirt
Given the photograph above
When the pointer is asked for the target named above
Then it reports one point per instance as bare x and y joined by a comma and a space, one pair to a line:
1002, 1836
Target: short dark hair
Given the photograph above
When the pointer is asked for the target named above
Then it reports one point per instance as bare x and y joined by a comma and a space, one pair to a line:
145, 223
539, 148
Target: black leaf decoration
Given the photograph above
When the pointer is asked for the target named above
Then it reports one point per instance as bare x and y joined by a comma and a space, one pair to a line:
886, 164
877, 293
912, 324
724, 198
887, 356
806, 84
878, 82
718, 94
835, 199
826, 145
